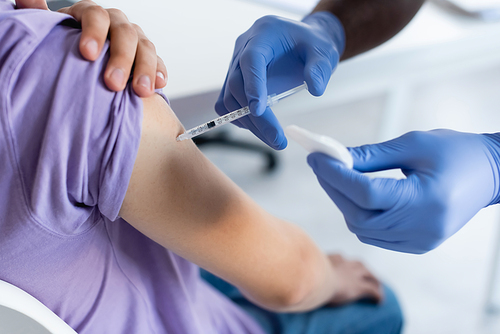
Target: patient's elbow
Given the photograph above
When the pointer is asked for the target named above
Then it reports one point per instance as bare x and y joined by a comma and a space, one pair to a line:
292, 292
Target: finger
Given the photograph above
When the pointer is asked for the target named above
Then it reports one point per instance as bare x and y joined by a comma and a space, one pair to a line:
220, 106
370, 277
336, 258
34, 4
372, 194
372, 291
253, 62
95, 27
402, 152
161, 74
146, 62
221, 110
354, 216
317, 73
123, 47
231, 104
266, 127
398, 246
271, 129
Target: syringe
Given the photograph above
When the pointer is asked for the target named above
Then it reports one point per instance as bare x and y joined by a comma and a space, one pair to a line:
234, 115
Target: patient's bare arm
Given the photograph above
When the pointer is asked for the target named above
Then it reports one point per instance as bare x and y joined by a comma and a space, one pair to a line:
369, 23
179, 199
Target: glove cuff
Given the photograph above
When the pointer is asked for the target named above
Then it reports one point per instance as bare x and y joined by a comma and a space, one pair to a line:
492, 141
331, 24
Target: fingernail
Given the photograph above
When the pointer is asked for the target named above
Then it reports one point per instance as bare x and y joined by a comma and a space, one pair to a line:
160, 75
92, 47
144, 81
117, 76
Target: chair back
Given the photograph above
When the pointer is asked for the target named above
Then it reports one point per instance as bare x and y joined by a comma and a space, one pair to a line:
22, 313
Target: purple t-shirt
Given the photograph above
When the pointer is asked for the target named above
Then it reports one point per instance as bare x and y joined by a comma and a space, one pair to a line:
67, 149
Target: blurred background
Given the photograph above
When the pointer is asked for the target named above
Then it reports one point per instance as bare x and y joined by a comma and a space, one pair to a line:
442, 71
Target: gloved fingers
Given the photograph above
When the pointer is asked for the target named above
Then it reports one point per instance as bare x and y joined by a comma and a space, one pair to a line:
359, 221
253, 63
371, 194
34, 4
236, 87
270, 129
220, 107
229, 101
266, 127
354, 216
403, 152
394, 245
231, 104
317, 72
248, 123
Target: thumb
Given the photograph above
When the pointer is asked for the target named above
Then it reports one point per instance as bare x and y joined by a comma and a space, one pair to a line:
317, 73
396, 153
34, 4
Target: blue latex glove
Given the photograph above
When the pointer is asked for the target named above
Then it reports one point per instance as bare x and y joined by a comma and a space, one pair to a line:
450, 176
274, 55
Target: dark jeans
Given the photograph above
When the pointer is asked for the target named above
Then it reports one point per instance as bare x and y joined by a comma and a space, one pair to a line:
362, 317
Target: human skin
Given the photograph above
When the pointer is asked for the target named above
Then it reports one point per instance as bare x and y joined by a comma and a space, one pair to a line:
369, 23
129, 46
179, 199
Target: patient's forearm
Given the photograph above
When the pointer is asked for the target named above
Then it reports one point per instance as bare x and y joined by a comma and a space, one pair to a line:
369, 23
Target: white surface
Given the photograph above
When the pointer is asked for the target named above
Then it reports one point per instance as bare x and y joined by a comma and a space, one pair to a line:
18, 300
313, 142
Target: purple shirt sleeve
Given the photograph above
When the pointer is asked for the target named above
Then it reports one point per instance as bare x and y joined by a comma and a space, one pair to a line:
74, 141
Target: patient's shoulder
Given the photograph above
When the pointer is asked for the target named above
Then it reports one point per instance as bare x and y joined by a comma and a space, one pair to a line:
64, 128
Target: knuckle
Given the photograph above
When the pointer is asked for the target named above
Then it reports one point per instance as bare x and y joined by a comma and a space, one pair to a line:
416, 137
267, 20
96, 10
127, 29
116, 13
327, 51
147, 44
161, 63
137, 28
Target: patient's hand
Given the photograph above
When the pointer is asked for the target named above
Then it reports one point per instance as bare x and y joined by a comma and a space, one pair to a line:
355, 282
129, 47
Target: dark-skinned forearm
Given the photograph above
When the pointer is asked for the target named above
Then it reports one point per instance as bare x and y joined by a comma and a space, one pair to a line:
369, 23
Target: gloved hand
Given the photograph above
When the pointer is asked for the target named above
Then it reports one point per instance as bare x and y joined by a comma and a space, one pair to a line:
274, 55
450, 176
